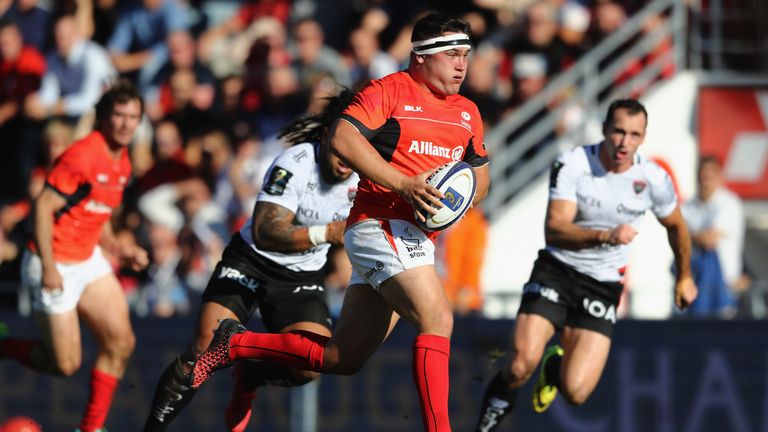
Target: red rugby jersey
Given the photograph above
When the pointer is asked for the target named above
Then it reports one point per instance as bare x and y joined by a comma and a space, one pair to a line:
92, 181
413, 130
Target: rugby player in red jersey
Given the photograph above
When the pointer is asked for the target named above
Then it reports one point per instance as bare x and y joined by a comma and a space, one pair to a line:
395, 133
67, 274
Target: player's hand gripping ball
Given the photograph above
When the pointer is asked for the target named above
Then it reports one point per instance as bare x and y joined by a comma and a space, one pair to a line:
456, 180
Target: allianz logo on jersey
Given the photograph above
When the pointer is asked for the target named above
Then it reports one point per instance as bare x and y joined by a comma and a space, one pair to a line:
94, 206
235, 275
432, 149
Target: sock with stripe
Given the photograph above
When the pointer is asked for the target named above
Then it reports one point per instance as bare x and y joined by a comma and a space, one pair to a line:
297, 349
431, 354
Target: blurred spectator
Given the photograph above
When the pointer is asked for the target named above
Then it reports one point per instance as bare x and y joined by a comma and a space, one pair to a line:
481, 87
661, 52
574, 24
246, 176
529, 79
183, 57
181, 212
165, 293
105, 14
225, 46
169, 164
138, 44
312, 57
283, 100
78, 71
366, 61
21, 70
715, 217
539, 36
608, 16
33, 21
181, 104
218, 157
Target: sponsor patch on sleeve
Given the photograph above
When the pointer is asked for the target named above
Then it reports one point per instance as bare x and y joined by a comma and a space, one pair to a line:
278, 180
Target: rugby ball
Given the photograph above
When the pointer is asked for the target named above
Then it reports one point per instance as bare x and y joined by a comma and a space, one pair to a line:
456, 180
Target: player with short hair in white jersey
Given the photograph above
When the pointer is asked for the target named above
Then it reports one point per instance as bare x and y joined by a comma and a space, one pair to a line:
275, 262
598, 194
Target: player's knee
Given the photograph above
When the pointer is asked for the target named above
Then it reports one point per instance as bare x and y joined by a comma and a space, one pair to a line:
575, 395
446, 323
440, 323
521, 368
68, 366
122, 346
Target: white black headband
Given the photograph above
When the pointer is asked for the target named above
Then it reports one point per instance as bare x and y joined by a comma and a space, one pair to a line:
441, 43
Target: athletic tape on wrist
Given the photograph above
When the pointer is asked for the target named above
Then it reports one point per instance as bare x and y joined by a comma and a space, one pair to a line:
441, 43
316, 234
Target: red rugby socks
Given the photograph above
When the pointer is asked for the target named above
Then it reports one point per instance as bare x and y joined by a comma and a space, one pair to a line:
103, 387
297, 349
430, 372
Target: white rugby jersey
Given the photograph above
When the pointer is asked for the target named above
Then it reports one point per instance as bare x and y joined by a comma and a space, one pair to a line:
606, 200
294, 182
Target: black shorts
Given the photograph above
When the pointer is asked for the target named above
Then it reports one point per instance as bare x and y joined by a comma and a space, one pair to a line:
567, 297
244, 280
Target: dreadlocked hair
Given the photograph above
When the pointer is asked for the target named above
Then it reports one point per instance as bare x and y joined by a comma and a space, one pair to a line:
311, 128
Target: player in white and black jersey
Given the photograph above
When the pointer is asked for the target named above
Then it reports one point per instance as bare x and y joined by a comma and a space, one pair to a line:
275, 262
597, 196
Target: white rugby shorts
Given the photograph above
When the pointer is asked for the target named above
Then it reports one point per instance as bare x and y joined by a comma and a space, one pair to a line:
76, 277
381, 248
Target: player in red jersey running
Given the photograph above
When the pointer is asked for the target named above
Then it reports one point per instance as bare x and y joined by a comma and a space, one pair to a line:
395, 133
68, 276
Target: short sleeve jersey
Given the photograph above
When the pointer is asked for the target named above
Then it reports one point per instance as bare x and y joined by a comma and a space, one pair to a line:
414, 131
92, 181
294, 181
606, 200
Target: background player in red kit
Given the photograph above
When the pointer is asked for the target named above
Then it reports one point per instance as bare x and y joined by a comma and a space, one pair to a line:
67, 275
395, 133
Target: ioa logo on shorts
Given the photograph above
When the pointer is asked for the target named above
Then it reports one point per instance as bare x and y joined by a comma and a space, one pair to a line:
597, 309
235, 275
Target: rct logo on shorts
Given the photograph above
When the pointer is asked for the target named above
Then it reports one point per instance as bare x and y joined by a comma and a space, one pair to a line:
546, 292
597, 309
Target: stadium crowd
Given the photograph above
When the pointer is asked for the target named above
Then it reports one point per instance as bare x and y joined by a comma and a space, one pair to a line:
220, 79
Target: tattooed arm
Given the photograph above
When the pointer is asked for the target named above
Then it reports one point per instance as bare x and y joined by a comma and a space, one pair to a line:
274, 230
